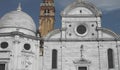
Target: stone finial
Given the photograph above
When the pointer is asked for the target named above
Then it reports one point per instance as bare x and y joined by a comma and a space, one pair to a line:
19, 7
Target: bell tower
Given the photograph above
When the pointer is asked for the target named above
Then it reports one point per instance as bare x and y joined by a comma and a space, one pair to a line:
47, 17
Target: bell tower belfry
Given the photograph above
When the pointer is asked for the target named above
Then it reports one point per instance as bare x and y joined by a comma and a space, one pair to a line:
47, 17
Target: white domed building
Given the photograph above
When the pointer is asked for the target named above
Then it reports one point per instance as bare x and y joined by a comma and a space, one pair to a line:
81, 43
19, 46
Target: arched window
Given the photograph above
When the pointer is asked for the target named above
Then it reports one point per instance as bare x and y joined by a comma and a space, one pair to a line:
54, 59
46, 11
110, 58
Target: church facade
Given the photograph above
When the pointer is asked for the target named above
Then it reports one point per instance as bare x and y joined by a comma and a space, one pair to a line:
81, 43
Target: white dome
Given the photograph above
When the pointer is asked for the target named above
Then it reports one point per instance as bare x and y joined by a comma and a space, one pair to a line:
19, 20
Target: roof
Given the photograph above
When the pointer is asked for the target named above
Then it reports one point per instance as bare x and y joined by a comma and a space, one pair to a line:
88, 5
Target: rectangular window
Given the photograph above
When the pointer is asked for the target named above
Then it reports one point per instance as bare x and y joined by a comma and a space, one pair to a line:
82, 68
2, 66
110, 58
54, 59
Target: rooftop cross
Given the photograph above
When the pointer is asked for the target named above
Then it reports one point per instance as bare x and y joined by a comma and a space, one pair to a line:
19, 7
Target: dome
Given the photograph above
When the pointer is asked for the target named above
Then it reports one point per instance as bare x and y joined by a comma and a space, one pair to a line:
19, 20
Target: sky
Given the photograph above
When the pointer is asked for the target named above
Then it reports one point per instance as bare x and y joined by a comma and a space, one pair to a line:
110, 10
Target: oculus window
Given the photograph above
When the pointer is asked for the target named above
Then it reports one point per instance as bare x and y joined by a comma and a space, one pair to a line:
4, 45
81, 29
27, 46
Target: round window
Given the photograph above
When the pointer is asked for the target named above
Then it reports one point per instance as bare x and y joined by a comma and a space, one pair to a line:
4, 45
27, 46
81, 29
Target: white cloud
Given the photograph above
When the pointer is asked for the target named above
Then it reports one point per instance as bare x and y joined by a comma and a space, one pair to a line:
105, 5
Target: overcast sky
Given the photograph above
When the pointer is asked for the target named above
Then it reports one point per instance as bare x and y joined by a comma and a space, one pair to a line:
109, 8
